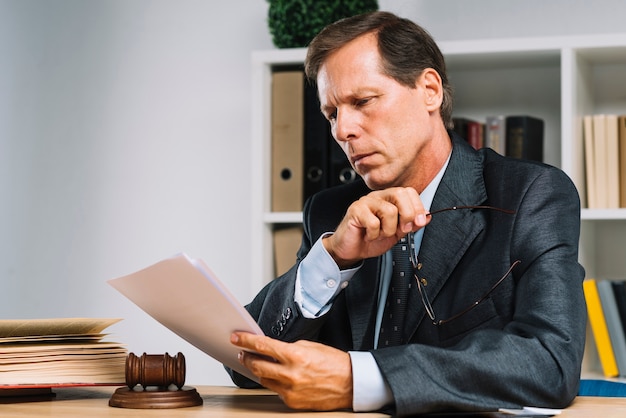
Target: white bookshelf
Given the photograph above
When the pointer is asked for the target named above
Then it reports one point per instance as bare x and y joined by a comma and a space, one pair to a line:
559, 79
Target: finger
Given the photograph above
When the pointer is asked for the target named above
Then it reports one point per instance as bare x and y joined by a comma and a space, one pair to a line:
260, 365
419, 218
259, 344
386, 214
410, 208
378, 217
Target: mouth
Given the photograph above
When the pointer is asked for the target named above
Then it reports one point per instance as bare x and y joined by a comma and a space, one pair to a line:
359, 159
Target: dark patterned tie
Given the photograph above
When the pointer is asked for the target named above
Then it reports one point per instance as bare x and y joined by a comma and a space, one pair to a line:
395, 308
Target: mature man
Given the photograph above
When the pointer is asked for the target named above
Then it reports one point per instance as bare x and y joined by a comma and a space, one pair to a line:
491, 313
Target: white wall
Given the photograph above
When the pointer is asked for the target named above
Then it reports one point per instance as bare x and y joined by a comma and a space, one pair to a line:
125, 137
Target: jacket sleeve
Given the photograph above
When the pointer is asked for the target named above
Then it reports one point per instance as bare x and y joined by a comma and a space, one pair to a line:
274, 307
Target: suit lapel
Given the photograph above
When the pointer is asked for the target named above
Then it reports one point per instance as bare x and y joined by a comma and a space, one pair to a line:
449, 234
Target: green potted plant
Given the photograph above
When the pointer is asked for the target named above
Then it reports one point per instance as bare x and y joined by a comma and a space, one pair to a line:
294, 23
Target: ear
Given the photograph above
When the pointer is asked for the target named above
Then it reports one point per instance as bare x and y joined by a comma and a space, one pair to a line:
430, 82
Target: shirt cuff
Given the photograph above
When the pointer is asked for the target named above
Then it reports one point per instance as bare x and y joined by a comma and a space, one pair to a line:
319, 280
370, 392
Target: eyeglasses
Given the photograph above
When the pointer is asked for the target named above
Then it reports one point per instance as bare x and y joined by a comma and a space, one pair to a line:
421, 286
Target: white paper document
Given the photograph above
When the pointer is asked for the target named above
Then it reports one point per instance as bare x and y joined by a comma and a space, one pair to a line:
186, 297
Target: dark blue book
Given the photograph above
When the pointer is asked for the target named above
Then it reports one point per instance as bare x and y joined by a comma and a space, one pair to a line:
593, 387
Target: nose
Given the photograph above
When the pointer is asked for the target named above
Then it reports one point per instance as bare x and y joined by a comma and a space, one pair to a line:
346, 126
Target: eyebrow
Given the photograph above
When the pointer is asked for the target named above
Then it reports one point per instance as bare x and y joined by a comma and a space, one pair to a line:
358, 94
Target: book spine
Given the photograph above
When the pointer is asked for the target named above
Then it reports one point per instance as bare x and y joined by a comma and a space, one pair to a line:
621, 120
612, 161
600, 149
599, 328
619, 291
613, 324
475, 134
590, 163
495, 131
524, 137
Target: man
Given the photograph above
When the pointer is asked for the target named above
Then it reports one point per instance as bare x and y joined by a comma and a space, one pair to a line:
495, 315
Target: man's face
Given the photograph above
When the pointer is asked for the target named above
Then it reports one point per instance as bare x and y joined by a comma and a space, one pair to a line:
381, 124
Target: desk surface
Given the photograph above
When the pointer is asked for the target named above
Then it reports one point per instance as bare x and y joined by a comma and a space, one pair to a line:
230, 402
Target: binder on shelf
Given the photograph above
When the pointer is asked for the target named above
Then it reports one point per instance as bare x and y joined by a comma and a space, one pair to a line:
339, 171
524, 137
287, 140
599, 328
317, 140
287, 239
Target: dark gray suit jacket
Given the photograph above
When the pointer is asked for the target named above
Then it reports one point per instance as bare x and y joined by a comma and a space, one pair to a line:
521, 346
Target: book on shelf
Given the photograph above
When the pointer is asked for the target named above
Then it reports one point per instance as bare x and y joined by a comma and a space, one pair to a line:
621, 138
613, 324
590, 163
612, 161
619, 290
524, 137
604, 142
39, 353
599, 328
495, 133
471, 130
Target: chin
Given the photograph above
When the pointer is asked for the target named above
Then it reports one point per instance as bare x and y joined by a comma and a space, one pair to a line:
376, 183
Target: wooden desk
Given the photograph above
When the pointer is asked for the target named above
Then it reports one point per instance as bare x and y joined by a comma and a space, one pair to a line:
230, 402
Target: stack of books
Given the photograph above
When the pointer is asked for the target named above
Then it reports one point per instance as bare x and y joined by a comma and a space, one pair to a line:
39, 353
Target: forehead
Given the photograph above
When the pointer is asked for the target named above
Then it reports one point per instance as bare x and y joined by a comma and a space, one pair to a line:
355, 65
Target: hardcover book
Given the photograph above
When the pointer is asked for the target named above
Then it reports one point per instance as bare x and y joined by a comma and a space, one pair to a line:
524, 137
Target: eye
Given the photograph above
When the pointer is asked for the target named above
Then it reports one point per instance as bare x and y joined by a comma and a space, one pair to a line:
362, 102
331, 115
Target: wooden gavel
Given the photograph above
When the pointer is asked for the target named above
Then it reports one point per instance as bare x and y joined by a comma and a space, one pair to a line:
160, 370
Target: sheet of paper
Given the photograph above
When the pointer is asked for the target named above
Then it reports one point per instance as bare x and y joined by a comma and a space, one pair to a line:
531, 411
186, 297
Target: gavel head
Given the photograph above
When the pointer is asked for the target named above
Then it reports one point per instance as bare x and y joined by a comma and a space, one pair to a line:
159, 370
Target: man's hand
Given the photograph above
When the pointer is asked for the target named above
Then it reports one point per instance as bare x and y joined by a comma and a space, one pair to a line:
374, 223
305, 374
